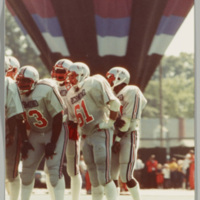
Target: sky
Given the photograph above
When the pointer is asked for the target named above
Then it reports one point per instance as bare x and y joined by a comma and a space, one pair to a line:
183, 41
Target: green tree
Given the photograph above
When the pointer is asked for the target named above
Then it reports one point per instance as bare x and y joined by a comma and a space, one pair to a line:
177, 88
173, 66
16, 44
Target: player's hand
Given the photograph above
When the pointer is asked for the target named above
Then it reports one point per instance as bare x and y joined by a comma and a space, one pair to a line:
50, 150
116, 147
119, 123
72, 124
9, 139
26, 146
106, 125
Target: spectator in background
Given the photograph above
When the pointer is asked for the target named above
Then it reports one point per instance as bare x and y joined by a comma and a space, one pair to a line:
139, 166
173, 166
180, 174
186, 169
166, 176
159, 176
151, 166
192, 167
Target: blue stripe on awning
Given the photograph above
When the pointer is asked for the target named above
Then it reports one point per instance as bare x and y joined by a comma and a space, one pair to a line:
169, 25
50, 25
20, 25
112, 26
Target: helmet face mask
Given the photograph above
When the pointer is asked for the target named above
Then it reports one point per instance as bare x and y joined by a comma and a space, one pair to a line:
59, 74
26, 79
25, 84
110, 78
72, 77
60, 70
12, 66
11, 72
78, 72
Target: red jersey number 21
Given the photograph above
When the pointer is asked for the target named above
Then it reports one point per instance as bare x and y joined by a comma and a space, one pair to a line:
81, 119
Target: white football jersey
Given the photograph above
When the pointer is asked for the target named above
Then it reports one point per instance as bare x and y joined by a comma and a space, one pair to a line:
13, 105
63, 91
133, 102
42, 105
88, 106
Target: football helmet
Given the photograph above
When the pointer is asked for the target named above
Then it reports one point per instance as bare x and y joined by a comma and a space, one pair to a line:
86, 70
27, 78
117, 76
78, 72
60, 70
12, 66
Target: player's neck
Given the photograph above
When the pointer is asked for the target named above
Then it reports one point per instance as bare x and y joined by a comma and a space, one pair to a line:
118, 88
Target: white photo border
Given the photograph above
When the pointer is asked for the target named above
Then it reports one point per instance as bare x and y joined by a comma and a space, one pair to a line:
2, 113
197, 98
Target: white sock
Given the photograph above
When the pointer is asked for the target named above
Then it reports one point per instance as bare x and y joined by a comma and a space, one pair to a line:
59, 189
110, 191
50, 187
135, 192
26, 191
97, 192
76, 184
14, 188
118, 191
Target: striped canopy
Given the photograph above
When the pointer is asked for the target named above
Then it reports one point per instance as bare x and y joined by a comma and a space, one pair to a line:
102, 33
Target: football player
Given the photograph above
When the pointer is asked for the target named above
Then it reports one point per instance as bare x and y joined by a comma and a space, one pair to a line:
15, 126
94, 107
13, 66
59, 73
127, 137
44, 107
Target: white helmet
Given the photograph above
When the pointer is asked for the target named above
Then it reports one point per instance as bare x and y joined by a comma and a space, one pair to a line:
117, 76
78, 72
6, 64
60, 70
27, 78
86, 69
11, 66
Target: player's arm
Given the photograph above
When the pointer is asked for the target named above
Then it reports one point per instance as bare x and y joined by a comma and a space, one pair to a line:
56, 129
114, 106
21, 128
11, 124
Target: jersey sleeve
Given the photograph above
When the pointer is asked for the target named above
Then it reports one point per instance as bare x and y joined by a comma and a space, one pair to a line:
13, 105
104, 89
54, 102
